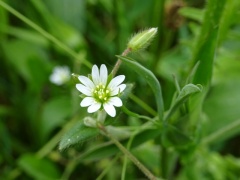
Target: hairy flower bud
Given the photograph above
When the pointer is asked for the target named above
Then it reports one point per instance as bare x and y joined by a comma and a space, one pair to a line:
90, 122
142, 39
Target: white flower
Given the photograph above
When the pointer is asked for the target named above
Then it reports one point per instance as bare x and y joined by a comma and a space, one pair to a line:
60, 75
99, 93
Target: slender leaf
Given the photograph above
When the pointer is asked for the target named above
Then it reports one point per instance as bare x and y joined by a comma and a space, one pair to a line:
192, 13
204, 52
150, 78
183, 96
207, 42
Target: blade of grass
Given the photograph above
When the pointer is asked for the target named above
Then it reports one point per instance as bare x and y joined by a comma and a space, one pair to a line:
45, 33
233, 127
204, 52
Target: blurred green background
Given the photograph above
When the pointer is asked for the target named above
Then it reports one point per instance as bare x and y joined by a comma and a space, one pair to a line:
35, 113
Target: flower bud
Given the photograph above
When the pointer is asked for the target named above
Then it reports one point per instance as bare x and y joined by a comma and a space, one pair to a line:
142, 39
90, 122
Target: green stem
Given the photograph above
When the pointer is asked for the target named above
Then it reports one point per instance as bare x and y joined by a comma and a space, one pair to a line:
119, 62
110, 165
128, 154
130, 113
143, 127
164, 161
221, 132
143, 104
44, 33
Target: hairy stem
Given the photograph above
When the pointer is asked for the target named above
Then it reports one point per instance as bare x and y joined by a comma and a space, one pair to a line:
119, 62
127, 153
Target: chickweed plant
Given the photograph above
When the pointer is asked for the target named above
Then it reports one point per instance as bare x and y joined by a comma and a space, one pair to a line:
120, 90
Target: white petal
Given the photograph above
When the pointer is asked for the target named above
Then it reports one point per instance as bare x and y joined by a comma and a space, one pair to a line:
86, 81
94, 107
95, 75
87, 101
116, 101
118, 89
116, 81
109, 108
103, 74
83, 89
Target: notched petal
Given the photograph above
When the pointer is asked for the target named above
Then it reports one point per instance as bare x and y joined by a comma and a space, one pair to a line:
83, 89
87, 101
94, 107
86, 81
115, 101
95, 74
118, 89
116, 81
103, 74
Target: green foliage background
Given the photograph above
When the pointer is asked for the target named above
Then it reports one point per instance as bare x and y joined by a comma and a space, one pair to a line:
198, 42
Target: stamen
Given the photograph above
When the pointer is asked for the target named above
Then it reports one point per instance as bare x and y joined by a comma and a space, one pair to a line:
101, 93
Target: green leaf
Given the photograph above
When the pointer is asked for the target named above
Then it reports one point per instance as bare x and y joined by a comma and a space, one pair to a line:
188, 90
38, 168
192, 13
183, 96
150, 78
222, 109
54, 113
207, 42
24, 58
230, 15
76, 135
204, 52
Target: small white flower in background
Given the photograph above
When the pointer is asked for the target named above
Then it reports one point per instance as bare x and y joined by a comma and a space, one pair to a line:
99, 93
60, 75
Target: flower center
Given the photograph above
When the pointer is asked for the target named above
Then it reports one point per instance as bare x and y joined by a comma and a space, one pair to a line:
101, 93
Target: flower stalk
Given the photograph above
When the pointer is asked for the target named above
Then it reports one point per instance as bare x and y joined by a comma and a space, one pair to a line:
127, 153
119, 62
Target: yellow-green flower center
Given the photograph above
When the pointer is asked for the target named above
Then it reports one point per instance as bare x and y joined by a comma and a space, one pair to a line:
101, 93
